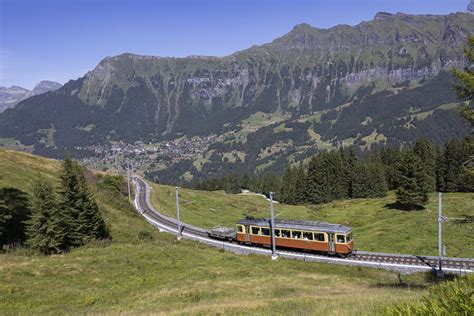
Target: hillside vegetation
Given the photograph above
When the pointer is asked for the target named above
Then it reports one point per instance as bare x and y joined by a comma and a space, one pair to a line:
143, 271
376, 227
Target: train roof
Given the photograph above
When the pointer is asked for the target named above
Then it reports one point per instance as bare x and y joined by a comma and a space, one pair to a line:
303, 225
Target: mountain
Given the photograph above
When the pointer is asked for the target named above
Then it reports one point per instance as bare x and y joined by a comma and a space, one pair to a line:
44, 86
380, 82
9, 97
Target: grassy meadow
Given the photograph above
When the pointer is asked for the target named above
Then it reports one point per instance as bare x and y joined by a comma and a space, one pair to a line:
376, 227
158, 275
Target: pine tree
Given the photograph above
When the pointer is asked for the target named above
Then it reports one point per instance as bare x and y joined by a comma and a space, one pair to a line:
46, 230
465, 86
351, 161
454, 175
414, 182
391, 157
83, 219
14, 211
428, 154
317, 180
270, 183
368, 179
232, 184
288, 187
340, 179
300, 175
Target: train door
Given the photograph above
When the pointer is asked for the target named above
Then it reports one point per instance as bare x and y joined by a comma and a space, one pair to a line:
332, 248
247, 233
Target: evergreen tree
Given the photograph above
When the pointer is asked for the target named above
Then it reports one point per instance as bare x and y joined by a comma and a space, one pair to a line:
455, 177
368, 179
339, 175
391, 157
465, 86
288, 186
14, 211
83, 219
317, 181
351, 161
428, 154
414, 182
270, 183
300, 175
327, 178
232, 184
46, 229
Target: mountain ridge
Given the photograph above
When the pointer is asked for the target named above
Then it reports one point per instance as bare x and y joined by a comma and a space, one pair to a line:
340, 77
10, 96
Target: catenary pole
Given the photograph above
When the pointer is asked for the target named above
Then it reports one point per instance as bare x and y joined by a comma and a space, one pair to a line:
177, 213
272, 224
128, 178
440, 223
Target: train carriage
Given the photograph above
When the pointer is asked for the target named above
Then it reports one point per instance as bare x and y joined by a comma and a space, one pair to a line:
308, 235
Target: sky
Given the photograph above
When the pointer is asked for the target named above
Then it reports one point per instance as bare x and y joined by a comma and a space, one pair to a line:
61, 40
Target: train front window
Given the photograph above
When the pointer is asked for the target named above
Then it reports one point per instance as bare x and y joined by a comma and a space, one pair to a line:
266, 231
340, 239
296, 234
307, 235
349, 237
319, 236
240, 229
255, 230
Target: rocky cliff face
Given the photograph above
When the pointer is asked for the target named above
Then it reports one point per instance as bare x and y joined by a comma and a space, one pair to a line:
308, 69
470, 7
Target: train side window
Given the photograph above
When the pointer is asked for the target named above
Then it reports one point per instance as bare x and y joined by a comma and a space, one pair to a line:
277, 233
296, 234
265, 231
285, 233
307, 235
341, 239
255, 230
240, 228
319, 236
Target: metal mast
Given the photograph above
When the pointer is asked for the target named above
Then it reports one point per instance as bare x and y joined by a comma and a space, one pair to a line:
272, 227
440, 272
177, 214
128, 177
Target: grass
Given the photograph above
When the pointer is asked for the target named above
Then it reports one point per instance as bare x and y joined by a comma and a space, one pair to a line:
376, 227
162, 276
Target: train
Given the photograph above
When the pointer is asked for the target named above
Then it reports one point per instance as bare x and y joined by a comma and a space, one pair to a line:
313, 236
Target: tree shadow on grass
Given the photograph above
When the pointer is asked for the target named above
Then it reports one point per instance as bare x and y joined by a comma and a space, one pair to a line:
403, 207
14, 211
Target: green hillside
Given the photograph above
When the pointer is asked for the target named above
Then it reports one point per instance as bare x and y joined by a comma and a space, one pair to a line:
159, 275
376, 227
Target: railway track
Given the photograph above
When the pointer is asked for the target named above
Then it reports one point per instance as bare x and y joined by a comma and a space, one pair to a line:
397, 262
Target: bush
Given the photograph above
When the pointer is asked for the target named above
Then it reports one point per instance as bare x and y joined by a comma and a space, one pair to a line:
448, 298
144, 235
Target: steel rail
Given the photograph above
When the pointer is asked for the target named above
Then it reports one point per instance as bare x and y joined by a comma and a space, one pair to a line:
397, 262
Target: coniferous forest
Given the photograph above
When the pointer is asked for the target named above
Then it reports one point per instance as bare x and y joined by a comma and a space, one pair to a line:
412, 172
